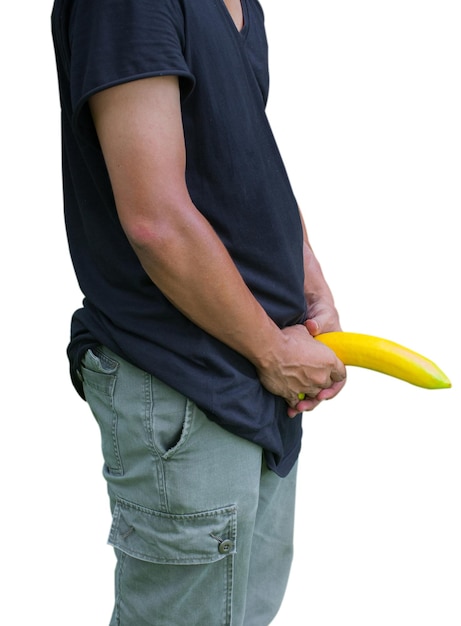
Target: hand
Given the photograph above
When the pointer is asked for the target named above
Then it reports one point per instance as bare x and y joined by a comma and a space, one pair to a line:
324, 319
299, 364
309, 404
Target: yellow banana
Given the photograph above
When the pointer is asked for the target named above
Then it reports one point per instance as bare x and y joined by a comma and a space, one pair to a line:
386, 357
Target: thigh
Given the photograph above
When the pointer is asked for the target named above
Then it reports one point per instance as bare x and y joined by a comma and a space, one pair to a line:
184, 494
272, 548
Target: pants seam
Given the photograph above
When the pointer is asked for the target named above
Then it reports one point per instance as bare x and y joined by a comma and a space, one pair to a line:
156, 459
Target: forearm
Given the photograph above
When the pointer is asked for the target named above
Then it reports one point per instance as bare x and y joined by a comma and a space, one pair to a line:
140, 131
319, 296
187, 261
185, 258
315, 285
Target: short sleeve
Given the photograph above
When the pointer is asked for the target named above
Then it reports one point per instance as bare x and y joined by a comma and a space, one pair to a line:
117, 41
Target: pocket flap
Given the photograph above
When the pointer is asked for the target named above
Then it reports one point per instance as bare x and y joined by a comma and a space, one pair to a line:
149, 535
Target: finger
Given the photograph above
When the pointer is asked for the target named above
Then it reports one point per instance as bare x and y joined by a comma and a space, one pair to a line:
309, 404
313, 392
339, 373
331, 392
292, 412
337, 376
312, 326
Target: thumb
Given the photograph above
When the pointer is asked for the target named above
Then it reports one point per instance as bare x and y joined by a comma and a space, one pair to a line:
312, 326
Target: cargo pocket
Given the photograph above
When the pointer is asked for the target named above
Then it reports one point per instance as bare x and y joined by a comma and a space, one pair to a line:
179, 568
188, 539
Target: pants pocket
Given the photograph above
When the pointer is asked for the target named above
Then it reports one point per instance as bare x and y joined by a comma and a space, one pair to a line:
170, 418
188, 539
99, 374
177, 568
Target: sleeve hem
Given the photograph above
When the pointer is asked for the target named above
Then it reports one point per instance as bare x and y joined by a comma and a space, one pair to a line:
81, 121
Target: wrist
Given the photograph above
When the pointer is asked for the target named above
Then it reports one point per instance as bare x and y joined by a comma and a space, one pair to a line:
266, 343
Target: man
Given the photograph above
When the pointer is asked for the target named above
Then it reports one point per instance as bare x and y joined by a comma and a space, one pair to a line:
200, 286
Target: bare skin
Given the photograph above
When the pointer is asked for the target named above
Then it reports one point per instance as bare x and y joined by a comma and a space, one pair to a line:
140, 131
235, 9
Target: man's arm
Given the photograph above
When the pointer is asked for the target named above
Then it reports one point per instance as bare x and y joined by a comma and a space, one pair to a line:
139, 126
322, 315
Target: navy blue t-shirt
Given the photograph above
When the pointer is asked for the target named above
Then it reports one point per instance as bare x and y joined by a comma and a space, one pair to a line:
235, 177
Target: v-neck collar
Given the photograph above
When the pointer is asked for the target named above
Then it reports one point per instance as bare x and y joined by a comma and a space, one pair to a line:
242, 32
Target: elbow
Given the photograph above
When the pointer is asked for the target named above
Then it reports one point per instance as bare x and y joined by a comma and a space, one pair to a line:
141, 234
154, 237
148, 238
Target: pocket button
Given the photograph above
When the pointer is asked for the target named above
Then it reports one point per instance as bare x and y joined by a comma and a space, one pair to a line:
225, 546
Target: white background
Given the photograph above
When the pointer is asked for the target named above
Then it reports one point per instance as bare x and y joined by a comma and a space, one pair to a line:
365, 103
